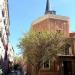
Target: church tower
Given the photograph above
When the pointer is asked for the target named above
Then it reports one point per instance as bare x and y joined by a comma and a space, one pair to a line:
51, 22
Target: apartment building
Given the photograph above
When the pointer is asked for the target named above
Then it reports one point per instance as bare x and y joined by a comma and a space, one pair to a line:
4, 29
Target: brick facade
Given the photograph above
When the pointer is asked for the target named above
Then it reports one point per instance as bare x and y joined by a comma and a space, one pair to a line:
52, 23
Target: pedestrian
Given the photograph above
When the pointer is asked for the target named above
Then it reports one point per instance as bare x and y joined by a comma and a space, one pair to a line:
5, 67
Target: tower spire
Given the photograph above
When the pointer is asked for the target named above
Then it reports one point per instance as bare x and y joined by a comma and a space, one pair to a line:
48, 10
47, 7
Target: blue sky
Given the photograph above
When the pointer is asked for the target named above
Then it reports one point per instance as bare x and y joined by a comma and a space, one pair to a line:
23, 12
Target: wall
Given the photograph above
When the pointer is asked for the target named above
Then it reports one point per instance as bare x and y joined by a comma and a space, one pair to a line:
52, 24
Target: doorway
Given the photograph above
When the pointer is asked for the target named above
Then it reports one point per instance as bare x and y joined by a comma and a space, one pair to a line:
67, 67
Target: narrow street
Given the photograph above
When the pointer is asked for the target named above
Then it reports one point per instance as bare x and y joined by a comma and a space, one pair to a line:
16, 72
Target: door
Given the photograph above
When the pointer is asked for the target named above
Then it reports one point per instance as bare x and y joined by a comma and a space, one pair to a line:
67, 67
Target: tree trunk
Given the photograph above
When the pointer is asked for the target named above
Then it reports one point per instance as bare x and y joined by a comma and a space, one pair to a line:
36, 70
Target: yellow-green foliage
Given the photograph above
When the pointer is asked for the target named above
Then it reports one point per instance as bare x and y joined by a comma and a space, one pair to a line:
39, 46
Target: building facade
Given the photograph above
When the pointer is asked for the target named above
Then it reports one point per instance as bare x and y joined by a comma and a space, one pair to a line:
4, 28
64, 65
52, 22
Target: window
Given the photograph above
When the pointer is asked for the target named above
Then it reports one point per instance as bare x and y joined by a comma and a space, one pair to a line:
58, 31
46, 64
0, 34
5, 28
67, 46
3, 13
4, 21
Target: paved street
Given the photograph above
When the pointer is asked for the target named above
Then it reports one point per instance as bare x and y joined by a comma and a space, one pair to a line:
16, 72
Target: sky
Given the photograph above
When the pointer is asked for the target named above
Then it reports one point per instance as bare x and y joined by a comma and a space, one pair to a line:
23, 12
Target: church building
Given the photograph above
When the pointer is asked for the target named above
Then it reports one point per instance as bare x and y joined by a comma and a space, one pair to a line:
65, 64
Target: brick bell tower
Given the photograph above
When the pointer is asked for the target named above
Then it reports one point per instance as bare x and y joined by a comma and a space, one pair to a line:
51, 22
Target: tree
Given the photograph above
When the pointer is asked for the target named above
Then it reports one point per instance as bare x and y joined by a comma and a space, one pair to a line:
41, 46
